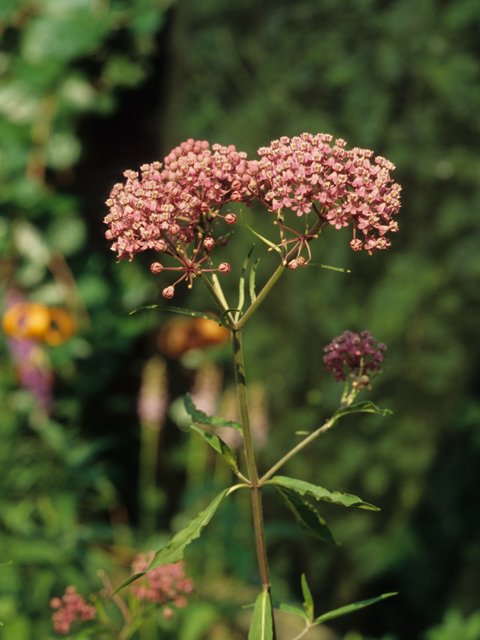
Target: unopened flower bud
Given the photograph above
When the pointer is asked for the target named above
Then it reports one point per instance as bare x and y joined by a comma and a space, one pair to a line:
230, 218
156, 267
160, 245
224, 267
168, 292
209, 243
174, 229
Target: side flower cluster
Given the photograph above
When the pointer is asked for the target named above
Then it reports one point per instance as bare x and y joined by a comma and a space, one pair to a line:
174, 208
354, 355
164, 585
70, 608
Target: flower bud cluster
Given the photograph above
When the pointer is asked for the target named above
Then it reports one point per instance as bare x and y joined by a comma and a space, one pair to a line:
164, 585
354, 355
70, 608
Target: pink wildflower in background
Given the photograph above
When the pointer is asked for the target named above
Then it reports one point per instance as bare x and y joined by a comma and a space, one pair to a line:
354, 355
306, 174
164, 585
71, 608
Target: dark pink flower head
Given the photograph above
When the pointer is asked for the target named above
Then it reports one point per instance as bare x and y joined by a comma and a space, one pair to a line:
306, 173
174, 207
164, 585
353, 355
71, 608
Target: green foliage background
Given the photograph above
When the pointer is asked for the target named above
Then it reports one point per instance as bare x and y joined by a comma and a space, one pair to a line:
90, 88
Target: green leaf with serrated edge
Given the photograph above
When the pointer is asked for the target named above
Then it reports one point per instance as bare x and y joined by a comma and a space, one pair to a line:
307, 516
270, 244
319, 493
307, 596
241, 285
184, 312
288, 608
220, 447
350, 608
174, 550
261, 626
251, 281
366, 406
202, 418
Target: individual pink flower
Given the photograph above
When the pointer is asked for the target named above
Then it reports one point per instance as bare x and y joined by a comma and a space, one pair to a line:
164, 585
70, 609
174, 207
354, 355
306, 174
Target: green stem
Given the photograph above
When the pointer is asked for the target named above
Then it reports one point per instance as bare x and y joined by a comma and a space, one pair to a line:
251, 465
298, 448
261, 297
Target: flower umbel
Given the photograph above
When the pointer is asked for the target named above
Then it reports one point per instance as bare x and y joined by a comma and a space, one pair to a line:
70, 608
175, 209
306, 174
354, 355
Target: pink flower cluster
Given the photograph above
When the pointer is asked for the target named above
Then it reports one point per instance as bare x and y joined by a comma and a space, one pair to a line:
305, 173
174, 207
175, 210
354, 355
163, 585
70, 608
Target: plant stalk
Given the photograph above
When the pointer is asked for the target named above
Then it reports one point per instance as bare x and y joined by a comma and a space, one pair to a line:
251, 465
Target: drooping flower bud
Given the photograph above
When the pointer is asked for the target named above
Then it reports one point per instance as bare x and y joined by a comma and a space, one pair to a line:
156, 267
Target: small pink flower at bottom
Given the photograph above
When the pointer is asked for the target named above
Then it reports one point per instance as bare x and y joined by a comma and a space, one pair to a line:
354, 355
164, 585
71, 608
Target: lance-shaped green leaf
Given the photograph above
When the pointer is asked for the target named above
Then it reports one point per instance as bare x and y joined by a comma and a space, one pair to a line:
327, 266
319, 493
288, 608
307, 596
174, 550
350, 608
367, 406
307, 516
265, 240
183, 312
251, 281
261, 626
241, 284
211, 421
220, 447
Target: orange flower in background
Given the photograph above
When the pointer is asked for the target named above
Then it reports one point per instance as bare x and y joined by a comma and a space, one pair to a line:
183, 334
34, 321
